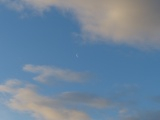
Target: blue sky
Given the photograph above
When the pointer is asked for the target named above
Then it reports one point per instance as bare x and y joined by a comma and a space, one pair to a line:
79, 60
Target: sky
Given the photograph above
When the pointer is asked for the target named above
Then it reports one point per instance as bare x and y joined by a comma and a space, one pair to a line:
79, 59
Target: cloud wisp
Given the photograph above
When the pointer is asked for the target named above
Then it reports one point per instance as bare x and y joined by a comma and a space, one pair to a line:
119, 21
85, 99
46, 73
26, 99
149, 115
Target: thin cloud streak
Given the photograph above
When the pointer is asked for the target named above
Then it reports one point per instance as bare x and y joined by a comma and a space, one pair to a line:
148, 115
78, 98
46, 74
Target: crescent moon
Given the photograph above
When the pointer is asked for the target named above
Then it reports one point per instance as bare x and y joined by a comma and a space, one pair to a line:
77, 55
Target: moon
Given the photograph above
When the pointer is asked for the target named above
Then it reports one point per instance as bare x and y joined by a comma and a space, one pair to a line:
77, 56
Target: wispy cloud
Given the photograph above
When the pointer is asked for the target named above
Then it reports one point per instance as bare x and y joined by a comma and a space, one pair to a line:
46, 73
85, 99
26, 99
10, 86
119, 21
149, 115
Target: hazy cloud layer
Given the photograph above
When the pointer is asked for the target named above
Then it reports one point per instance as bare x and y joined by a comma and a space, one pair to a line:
135, 22
46, 73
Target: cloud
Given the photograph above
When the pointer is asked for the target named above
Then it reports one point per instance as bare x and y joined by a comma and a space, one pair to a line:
149, 115
156, 99
26, 99
85, 99
134, 22
46, 73
10, 86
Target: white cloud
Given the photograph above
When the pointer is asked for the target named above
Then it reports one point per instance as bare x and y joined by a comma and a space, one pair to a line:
46, 73
10, 86
26, 99
135, 22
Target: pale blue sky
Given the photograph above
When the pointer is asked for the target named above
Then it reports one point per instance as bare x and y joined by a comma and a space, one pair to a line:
114, 78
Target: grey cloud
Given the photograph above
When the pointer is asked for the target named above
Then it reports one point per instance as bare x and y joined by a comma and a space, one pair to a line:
150, 115
86, 99
156, 99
